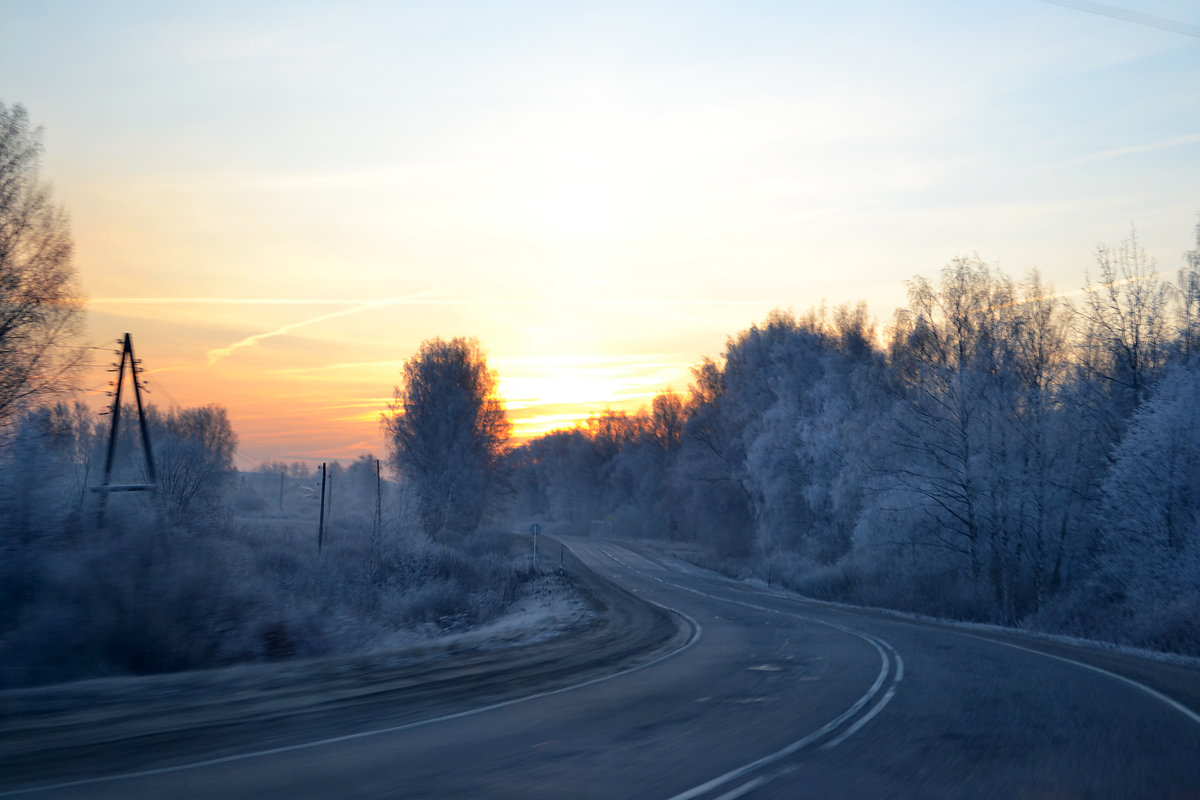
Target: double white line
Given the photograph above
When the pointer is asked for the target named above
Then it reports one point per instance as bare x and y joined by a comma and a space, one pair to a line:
827, 737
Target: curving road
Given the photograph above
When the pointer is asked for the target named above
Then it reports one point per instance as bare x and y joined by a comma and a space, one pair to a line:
752, 694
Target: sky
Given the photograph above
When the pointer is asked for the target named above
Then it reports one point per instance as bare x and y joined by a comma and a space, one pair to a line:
280, 201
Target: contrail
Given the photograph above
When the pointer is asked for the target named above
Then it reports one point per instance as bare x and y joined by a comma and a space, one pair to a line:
1125, 15
221, 352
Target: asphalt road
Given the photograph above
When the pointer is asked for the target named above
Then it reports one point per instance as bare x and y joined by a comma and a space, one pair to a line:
748, 694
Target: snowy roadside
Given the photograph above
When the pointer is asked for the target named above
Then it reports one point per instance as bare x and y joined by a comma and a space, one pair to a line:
681, 555
549, 606
562, 629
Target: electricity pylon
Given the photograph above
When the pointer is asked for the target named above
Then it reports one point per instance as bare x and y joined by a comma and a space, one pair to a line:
135, 369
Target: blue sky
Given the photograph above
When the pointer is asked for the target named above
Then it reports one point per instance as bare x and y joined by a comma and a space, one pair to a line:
600, 193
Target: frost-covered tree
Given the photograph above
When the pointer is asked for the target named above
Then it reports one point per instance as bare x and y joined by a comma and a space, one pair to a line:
980, 476
1053, 469
40, 306
1151, 497
728, 400
1189, 302
46, 469
951, 351
1125, 333
668, 415
1144, 585
194, 450
447, 432
808, 439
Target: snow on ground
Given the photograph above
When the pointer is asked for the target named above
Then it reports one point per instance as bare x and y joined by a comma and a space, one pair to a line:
549, 605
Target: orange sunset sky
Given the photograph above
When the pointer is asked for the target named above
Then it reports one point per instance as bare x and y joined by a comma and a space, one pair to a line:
280, 201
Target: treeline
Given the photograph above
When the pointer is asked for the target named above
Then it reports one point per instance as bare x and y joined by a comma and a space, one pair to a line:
52, 456
997, 453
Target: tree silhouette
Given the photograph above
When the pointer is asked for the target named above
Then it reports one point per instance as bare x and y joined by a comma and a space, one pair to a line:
40, 308
447, 431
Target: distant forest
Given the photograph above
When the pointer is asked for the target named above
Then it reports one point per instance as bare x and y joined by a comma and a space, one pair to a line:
998, 453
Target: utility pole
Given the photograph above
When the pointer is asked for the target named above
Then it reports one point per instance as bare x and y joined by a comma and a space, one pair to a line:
378, 527
321, 525
135, 369
282, 477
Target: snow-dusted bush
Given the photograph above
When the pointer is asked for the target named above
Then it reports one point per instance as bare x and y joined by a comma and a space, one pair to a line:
215, 569
140, 599
133, 601
46, 466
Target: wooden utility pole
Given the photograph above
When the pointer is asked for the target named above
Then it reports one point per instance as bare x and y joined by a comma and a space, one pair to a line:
321, 524
378, 527
135, 369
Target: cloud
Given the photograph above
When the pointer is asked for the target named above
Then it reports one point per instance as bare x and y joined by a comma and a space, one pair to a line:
216, 354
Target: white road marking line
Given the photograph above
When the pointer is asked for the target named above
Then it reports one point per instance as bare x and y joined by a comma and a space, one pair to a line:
899, 675
949, 627
881, 646
853, 729
1157, 695
744, 789
697, 632
863, 720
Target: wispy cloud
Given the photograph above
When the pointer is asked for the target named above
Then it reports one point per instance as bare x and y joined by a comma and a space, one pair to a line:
1178, 141
216, 354
224, 301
